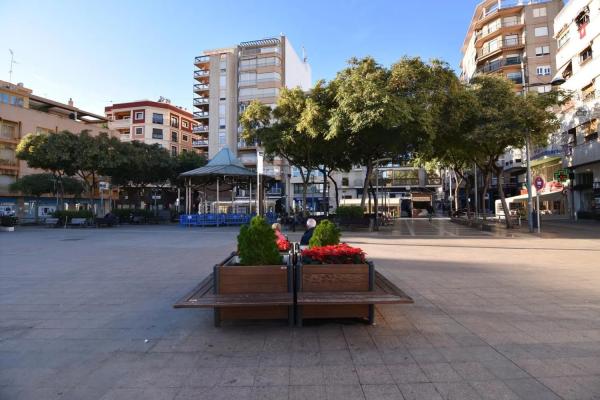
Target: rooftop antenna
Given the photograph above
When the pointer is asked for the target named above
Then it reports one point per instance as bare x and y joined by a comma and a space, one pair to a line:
12, 62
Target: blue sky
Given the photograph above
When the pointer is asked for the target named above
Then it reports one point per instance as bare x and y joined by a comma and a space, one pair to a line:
102, 51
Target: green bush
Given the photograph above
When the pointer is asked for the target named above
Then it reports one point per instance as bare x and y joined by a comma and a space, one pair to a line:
325, 234
256, 244
68, 214
349, 212
124, 213
8, 220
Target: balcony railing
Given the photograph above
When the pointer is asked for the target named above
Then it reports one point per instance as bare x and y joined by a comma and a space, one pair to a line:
498, 64
504, 44
201, 100
242, 144
199, 142
201, 73
200, 129
201, 114
201, 86
402, 182
507, 4
201, 59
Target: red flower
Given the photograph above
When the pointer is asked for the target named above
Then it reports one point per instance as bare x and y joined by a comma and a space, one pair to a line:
335, 254
283, 245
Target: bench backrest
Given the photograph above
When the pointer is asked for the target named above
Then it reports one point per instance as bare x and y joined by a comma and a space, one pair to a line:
78, 220
52, 221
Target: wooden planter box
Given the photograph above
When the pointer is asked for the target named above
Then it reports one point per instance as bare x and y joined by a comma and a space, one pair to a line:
334, 291
271, 285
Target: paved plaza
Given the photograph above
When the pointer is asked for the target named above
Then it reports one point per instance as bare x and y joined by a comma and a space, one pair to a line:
86, 314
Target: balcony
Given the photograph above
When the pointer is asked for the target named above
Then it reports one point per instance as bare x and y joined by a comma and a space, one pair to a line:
402, 182
585, 153
497, 29
433, 181
200, 101
200, 128
497, 65
200, 60
201, 74
201, 87
501, 9
196, 143
243, 145
506, 44
201, 114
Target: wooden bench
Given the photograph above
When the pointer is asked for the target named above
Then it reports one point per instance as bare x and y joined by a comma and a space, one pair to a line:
204, 296
81, 222
51, 222
338, 304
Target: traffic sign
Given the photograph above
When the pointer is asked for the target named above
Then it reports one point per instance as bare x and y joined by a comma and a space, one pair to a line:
539, 183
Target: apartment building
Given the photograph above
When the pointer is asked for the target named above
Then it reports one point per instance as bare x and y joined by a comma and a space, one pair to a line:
228, 79
159, 122
22, 112
513, 38
577, 32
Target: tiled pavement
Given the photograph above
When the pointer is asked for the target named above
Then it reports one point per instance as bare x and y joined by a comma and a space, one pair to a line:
86, 314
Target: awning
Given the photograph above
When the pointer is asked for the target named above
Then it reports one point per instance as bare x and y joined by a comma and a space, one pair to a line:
544, 196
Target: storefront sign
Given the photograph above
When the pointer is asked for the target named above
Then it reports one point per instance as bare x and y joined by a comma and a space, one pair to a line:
562, 175
539, 183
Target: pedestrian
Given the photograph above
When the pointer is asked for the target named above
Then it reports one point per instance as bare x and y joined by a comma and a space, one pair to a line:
310, 228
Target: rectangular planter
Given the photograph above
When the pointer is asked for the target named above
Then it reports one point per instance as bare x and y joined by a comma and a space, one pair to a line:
332, 281
264, 280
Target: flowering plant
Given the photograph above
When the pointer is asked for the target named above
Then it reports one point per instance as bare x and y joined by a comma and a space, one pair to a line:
334, 254
283, 244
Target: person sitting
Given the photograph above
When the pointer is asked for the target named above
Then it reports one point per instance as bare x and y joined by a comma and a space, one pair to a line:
282, 242
310, 228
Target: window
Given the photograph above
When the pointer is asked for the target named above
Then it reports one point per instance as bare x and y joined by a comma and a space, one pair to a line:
585, 55
515, 77
345, 181
223, 81
157, 119
588, 92
174, 137
221, 109
139, 130
222, 138
174, 121
139, 115
542, 51
582, 20
157, 133
543, 70
563, 39
8, 130
510, 21
221, 123
541, 31
185, 124
39, 129
544, 89
16, 101
184, 138
539, 12
174, 151
511, 40
4, 98
124, 132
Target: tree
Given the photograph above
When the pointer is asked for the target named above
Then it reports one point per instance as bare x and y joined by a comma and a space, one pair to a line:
278, 132
504, 120
51, 152
184, 162
90, 157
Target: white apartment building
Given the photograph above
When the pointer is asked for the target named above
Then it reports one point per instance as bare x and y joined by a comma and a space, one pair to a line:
228, 79
577, 31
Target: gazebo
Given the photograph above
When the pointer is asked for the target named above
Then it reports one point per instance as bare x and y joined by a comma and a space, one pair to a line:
224, 167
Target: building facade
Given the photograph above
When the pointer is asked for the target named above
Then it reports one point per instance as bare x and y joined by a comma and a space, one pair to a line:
227, 80
21, 113
515, 39
577, 29
158, 122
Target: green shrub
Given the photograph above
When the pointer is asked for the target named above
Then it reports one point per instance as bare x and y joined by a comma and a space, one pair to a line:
8, 220
349, 212
325, 234
70, 214
256, 244
124, 213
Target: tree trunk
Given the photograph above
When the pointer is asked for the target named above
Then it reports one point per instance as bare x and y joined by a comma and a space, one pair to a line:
375, 205
486, 185
456, 192
325, 194
305, 179
366, 184
500, 179
335, 187
468, 192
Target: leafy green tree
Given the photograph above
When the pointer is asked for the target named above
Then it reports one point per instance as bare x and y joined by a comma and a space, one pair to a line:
51, 152
35, 185
184, 162
504, 120
279, 134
